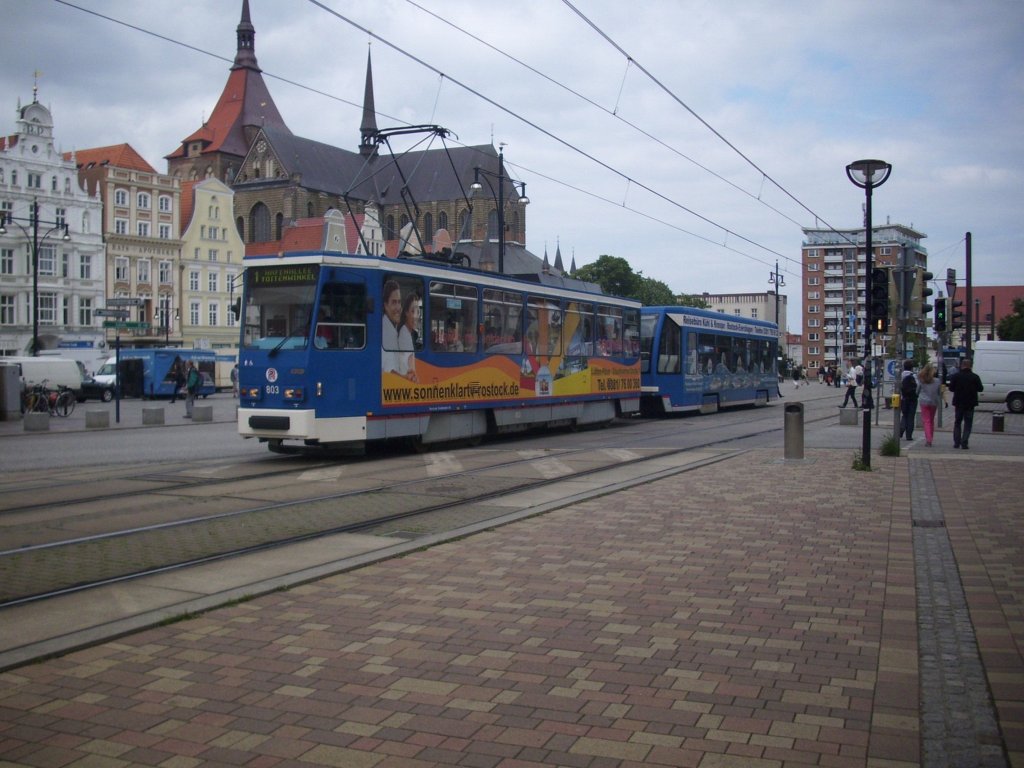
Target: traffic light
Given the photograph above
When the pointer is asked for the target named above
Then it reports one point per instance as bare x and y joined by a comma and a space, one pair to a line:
940, 315
926, 291
956, 319
879, 298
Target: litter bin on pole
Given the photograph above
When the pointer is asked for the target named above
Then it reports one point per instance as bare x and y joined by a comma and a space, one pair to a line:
794, 431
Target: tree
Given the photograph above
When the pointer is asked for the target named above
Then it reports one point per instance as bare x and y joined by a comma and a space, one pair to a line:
691, 300
613, 274
1011, 327
653, 293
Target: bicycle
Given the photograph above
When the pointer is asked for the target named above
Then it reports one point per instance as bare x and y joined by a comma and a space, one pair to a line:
60, 402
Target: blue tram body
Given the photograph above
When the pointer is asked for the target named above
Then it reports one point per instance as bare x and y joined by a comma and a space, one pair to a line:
698, 360
340, 349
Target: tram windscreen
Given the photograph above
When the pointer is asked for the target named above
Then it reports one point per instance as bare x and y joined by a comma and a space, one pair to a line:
279, 306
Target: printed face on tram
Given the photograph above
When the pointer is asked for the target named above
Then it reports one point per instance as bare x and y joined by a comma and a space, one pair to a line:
393, 306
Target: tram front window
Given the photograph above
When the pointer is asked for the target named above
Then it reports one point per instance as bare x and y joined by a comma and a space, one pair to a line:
279, 306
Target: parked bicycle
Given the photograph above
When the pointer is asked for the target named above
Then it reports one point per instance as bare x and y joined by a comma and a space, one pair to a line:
56, 402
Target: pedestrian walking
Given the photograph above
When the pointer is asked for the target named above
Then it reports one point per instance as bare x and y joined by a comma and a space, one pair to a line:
178, 379
929, 396
965, 386
234, 380
908, 400
192, 383
854, 376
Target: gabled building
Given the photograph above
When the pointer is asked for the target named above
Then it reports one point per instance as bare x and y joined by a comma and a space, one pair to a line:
140, 226
280, 178
211, 264
67, 275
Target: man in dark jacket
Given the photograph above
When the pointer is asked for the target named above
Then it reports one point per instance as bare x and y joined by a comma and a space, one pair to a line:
965, 386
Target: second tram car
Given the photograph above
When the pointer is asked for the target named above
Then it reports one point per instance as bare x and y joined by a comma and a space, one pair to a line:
698, 360
342, 349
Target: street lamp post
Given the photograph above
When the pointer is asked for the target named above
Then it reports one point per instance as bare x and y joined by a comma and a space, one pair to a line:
37, 241
776, 279
867, 174
499, 196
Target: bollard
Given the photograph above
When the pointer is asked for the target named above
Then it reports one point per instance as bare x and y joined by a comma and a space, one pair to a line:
997, 422
794, 431
37, 422
96, 419
202, 413
152, 416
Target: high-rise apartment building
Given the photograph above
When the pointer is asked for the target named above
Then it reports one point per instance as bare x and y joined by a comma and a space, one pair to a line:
835, 290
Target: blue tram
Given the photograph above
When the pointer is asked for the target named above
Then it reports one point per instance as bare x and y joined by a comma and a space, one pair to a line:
698, 360
340, 349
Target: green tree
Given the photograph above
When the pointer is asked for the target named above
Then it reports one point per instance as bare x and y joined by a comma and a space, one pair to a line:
691, 300
653, 293
613, 274
1011, 327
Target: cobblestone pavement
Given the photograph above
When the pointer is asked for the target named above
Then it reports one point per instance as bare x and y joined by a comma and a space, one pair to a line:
756, 612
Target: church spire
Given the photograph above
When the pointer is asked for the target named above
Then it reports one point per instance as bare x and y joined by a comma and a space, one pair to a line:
368, 127
245, 57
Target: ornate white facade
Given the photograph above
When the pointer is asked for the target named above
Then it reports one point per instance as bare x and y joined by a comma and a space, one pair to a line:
70, 275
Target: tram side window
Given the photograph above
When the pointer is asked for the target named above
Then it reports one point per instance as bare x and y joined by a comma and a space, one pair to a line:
631, 333
543, 326
707, 360
341, 318
740, 355
648, 324
503, 315
453, 317
609, 331
670, 347
579, 330
402, 324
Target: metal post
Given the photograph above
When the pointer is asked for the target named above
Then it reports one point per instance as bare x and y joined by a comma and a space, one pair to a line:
35, 278
501, 210
967, 304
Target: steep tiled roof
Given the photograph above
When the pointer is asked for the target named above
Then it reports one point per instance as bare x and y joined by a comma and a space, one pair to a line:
8, 142
117, 155
188, 200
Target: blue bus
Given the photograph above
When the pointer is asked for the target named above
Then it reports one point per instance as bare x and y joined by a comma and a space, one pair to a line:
341, 349
698, 360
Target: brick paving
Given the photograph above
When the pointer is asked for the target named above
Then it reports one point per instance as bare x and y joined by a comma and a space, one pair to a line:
716, 618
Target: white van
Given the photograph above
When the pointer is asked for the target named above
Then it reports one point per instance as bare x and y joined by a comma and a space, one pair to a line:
1000, 365
53, 371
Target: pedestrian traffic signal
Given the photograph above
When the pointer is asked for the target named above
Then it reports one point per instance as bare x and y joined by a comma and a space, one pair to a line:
940, 315
956, 319
879, 299
926, 291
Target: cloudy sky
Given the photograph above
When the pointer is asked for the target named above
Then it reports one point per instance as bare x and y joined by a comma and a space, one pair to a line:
693, 138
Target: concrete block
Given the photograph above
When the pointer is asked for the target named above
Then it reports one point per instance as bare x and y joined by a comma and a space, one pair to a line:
153, 415
97, 419
37, 422
848, 417
202, 413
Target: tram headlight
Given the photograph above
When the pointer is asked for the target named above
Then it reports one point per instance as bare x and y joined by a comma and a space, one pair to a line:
294, 394
252, 393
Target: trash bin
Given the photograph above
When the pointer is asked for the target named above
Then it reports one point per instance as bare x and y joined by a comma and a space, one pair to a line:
794, 431
997, 422
894, 400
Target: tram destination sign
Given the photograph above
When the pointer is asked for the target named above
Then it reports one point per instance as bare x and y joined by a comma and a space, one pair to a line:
140, 326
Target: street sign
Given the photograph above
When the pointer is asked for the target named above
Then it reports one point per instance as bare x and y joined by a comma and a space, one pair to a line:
123, 302
121, 313
126, 324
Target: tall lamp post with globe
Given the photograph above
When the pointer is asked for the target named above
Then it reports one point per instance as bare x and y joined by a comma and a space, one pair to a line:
868, 174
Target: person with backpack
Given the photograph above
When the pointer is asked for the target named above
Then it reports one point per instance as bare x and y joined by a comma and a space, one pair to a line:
192, 383
854, 378
908, 400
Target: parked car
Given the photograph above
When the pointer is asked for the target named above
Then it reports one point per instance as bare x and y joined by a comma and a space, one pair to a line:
95, 390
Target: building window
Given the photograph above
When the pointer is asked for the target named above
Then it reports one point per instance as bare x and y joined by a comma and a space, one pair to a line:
213, 312
165, 231
7, 261
85, 311
7, 313
65, 265
813, 309
813, 322
121, 198
35, 180
121, 269
813, 267
212, 254
61, 217
143, 201
164, 203
814, 281
442, 220
120, 226
143, 269
211, 282
165, 272
47, 309
814, 295
813, 336
193, 313
812, 253
85, 266
259, 223
47, 260
193, 279
753, 313
143, 228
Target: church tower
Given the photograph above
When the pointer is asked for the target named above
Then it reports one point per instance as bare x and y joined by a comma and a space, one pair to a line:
218, 147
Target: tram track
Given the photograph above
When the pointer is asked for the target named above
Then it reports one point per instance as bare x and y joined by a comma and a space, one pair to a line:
41, 571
